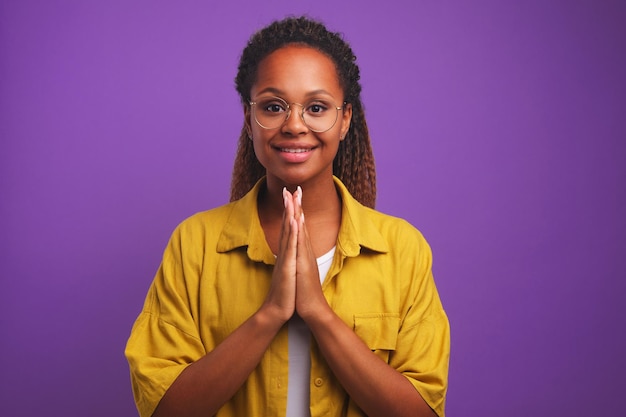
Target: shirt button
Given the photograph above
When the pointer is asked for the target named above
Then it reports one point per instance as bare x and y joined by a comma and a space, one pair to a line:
318, 382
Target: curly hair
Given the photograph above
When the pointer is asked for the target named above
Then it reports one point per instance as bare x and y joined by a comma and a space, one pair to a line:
354, 162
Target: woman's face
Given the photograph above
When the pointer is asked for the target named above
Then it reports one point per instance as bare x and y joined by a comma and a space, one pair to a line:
291, 152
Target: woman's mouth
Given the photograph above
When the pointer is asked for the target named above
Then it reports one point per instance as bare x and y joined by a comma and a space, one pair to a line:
298, 150
295, 155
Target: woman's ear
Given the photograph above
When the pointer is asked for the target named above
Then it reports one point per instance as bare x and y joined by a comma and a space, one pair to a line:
346, 119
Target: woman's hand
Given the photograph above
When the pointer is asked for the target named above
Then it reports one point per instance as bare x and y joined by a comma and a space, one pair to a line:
281, 297
309, 296
295, 279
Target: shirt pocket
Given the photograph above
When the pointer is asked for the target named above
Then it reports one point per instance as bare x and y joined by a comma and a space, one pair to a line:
379, 331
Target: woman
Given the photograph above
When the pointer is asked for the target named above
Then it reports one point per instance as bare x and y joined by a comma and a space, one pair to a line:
297, 298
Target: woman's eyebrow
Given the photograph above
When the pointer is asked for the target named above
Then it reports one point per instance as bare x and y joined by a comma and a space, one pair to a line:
318, 92
272, 90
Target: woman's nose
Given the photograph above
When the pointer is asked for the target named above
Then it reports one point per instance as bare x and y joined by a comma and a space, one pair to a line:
294, 123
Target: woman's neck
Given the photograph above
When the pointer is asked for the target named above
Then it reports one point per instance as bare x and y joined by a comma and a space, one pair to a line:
322, 208
319, 198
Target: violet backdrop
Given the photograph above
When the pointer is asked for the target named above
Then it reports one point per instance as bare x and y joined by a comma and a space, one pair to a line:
499, 130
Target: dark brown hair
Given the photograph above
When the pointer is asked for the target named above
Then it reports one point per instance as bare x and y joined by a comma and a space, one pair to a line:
354, 162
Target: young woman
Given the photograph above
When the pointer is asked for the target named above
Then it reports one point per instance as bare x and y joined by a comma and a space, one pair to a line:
297, 298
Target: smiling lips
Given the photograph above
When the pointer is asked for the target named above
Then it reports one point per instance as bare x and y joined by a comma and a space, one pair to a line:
299, 150
295, 155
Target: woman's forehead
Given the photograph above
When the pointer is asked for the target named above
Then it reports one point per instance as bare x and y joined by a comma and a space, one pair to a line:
297, 69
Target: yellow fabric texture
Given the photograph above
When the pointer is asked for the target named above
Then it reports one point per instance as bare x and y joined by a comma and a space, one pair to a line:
216, 271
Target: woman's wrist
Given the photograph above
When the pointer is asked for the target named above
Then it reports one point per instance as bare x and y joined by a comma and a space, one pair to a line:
319, 318
270, 316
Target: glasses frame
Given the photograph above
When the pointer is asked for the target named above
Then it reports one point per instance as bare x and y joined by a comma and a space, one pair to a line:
288, 113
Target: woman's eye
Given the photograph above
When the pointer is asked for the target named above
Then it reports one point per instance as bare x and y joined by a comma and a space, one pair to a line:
274, 108
316, 108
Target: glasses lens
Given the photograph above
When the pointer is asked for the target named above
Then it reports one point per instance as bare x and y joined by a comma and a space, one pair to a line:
270, 112
320, 115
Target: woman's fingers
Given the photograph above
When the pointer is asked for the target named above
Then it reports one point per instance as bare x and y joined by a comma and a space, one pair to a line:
309, 295
282, 292
297, 203
287, 215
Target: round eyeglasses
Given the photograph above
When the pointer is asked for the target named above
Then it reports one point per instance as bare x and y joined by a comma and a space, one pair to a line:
318, 115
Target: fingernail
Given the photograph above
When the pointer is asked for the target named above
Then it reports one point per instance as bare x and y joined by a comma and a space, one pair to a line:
285, 196
299, 196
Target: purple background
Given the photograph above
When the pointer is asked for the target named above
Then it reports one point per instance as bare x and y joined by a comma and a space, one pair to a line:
499, 130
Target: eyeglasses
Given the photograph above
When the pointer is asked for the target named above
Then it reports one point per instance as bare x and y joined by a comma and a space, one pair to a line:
318, 115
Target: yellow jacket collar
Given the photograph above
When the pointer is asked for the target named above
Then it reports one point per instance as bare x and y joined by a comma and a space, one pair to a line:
243, 227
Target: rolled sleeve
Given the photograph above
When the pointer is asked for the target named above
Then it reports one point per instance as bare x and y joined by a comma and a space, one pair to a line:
422, 352
164, 339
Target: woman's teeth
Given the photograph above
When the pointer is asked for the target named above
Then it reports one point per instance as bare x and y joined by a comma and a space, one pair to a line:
294, 150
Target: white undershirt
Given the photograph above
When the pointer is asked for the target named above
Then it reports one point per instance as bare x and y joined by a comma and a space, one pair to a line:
298, 396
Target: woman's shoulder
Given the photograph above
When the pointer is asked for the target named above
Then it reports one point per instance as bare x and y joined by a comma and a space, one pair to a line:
391, 228
377, 229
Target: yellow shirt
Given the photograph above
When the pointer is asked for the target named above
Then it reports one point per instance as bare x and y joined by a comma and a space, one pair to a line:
216, 272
